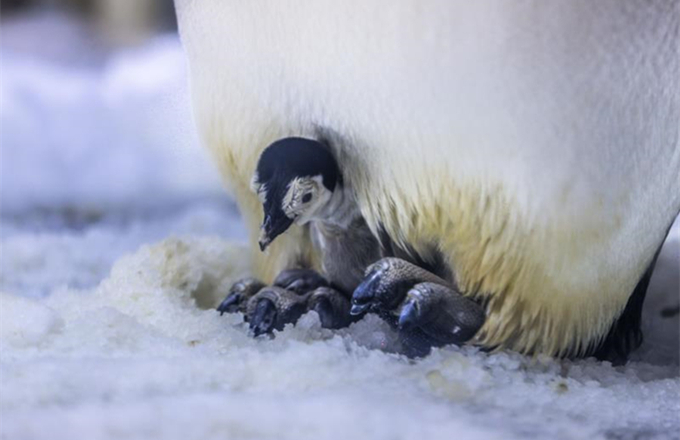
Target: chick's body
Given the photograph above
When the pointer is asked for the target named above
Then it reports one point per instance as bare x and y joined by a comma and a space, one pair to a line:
345, 252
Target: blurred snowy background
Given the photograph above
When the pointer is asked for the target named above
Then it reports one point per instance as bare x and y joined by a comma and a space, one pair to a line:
116, 239
99, 152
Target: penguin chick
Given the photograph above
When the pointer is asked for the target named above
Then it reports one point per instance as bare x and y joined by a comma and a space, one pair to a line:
298, 182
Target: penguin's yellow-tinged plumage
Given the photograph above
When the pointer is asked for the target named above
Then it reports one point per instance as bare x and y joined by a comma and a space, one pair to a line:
534, 145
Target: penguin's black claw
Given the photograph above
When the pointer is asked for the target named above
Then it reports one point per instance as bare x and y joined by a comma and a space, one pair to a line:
295, 291
425, 309
332, 306
300, 281
239, 294
264, 317
385, 286
382, 289
230, 304
366, 296
274, 307
437, 315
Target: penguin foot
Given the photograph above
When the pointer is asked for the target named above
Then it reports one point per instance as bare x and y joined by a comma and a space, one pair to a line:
272, 308
297, 280
433, 315
385, 286
425, 309
332, 306
295, 291
239, 294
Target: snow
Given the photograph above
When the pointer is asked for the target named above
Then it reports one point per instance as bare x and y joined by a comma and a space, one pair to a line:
129, 120
143, 355
117, 242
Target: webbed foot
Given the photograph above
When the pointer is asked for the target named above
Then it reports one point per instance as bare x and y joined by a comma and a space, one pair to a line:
425, 309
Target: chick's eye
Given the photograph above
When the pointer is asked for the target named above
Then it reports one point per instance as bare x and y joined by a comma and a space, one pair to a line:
307, 198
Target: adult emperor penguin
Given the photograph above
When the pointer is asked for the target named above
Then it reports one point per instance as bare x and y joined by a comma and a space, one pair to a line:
532, 146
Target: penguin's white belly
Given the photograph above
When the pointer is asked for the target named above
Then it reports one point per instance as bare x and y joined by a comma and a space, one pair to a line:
550, 128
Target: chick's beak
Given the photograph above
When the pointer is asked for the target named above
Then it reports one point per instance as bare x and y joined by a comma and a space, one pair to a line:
272, 228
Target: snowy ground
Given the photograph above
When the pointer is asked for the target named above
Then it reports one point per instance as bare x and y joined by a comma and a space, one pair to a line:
116, 241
